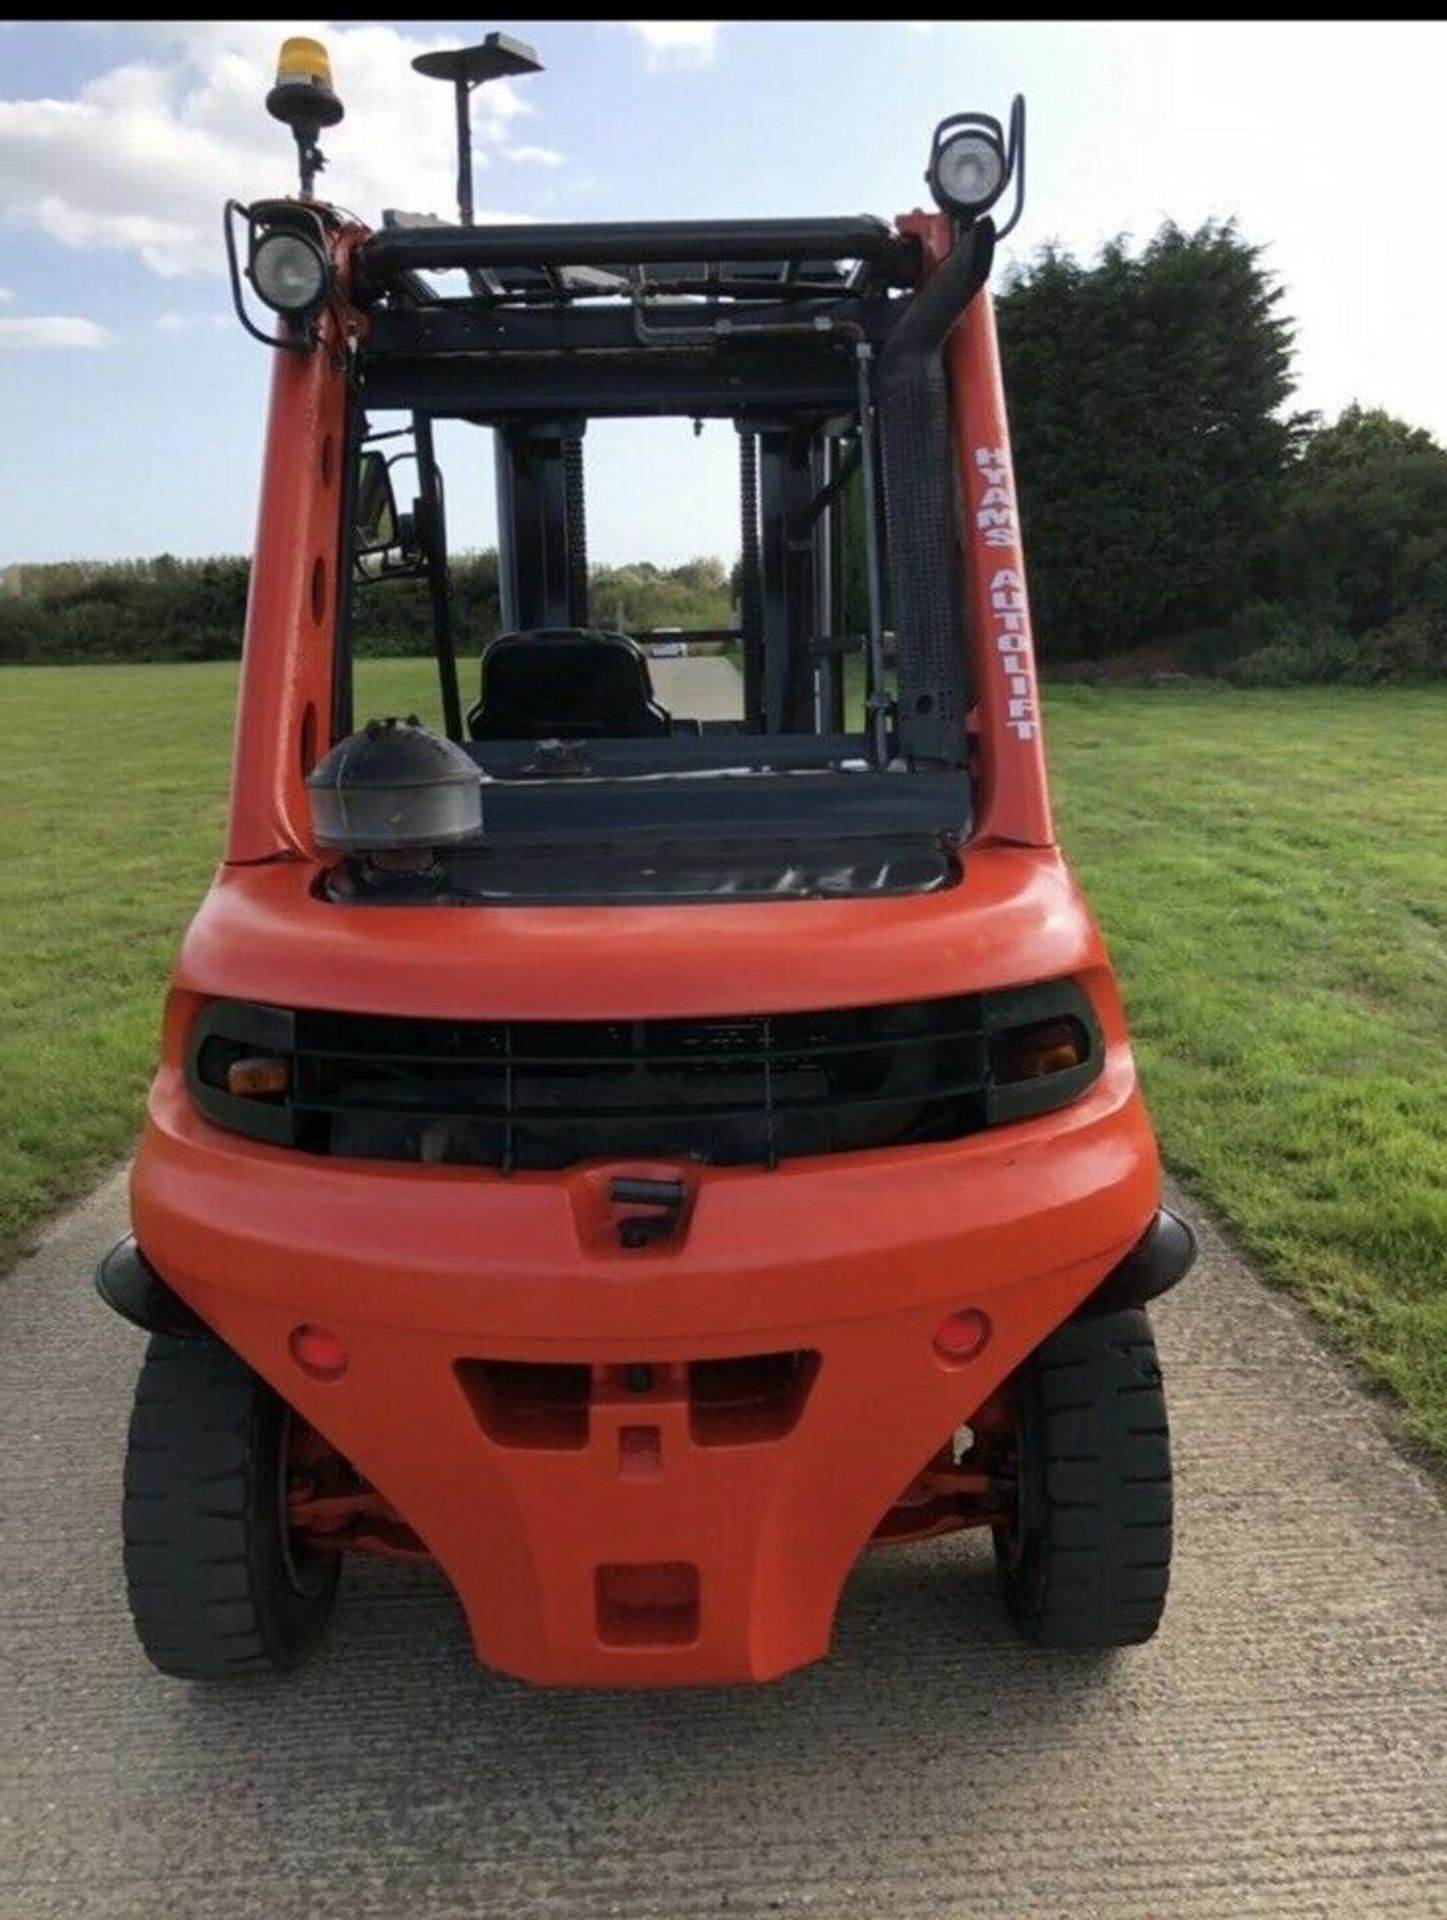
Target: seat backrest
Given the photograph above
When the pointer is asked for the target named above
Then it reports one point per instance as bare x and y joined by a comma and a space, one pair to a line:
565, 683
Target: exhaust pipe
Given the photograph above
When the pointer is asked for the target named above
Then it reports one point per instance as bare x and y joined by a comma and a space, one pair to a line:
921, 505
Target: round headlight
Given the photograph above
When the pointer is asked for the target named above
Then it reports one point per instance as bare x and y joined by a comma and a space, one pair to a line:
968, 174
288, 272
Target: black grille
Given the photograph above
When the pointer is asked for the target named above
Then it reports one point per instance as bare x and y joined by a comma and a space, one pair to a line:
729, 1092
750, 1089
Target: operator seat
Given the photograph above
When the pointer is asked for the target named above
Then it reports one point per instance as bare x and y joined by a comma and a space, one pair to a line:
566, 683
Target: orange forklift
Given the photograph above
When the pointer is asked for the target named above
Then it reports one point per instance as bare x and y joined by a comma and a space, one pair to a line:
637, 1161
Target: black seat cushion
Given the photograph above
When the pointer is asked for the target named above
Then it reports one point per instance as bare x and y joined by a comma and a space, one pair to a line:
566, 683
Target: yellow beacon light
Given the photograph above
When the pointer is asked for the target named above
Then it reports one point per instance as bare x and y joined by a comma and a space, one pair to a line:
303, 91
303, 99
301, 59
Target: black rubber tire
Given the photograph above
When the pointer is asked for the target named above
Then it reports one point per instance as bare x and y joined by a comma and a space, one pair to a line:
1088, 1563
215, 1591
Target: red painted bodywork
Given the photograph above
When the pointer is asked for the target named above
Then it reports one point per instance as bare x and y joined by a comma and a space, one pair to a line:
735, 1549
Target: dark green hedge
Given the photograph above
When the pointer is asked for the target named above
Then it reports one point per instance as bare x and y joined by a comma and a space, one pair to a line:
168, 609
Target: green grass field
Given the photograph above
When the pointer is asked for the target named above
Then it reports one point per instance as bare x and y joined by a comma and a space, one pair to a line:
1270, 870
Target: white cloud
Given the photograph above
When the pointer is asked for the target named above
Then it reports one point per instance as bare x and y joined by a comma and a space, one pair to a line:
535, 156
52, 330
6, 294
141, 160
688, 43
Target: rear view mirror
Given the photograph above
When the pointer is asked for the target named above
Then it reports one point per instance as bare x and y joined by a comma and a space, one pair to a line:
376, 511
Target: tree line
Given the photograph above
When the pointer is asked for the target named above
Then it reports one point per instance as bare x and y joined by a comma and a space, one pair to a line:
1178, 512
1173, 501
170, 609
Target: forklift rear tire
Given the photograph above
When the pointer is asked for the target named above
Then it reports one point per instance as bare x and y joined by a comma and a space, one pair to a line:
1087, 1562
217, 1590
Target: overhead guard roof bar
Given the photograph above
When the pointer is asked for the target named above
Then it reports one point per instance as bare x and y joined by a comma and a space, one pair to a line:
471, 327
780, 378
401, 250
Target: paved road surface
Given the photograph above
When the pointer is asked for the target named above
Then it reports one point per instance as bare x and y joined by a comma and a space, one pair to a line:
1280, 1749
708, 688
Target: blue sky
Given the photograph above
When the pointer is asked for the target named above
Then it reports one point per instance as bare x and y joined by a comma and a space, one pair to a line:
131, 406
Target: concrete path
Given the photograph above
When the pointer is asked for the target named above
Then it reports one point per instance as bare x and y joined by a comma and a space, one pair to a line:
708, 688
1279, 1749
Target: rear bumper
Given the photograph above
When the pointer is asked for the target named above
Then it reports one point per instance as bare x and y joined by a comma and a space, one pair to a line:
1160, 1260
854, 1259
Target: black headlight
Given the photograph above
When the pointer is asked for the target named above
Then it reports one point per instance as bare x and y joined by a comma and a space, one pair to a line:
288, 257
289, 272
968, 171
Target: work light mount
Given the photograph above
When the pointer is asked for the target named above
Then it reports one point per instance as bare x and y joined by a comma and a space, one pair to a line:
974, 162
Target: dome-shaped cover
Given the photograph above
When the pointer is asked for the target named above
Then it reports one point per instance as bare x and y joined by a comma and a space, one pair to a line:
395, 785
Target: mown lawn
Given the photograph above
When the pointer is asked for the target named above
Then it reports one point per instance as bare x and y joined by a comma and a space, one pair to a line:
1269, 868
